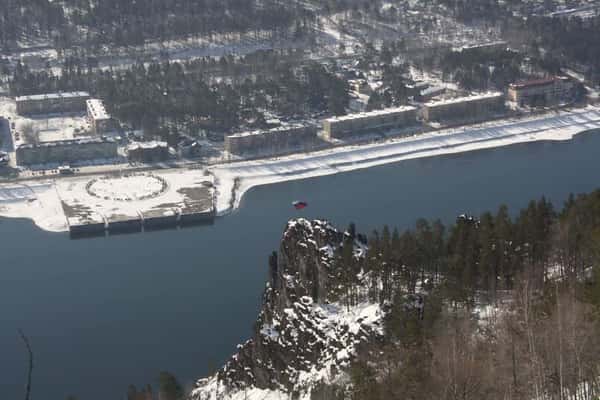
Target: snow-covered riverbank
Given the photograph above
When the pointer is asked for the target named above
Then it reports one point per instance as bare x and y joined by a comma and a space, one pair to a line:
555, 126
41, 201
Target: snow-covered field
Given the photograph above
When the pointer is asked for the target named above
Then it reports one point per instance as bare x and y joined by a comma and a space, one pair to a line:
37, 201
42, 202
555, 126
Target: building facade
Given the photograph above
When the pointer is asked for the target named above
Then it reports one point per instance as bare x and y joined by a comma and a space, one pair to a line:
369, 122
273, 141
52, 103
67, 151
470, 108
148, 152
189, 148
541, 92
100, 120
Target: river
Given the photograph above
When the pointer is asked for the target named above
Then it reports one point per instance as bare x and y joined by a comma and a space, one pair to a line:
104, 313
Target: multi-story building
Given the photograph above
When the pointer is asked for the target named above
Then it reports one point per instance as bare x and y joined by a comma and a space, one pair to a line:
52, 103
100, 120
274, 141
546, 91
470, 108
360, 86
67, 151
369, 122
148, 152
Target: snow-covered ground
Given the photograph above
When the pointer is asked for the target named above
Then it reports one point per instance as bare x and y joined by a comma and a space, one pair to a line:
42, 203
583, 11
50, 127
192, 48
94, 199
38, 201
213, 390
555, 126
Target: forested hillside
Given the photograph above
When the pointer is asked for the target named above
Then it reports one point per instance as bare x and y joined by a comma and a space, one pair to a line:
116, 22
490, 307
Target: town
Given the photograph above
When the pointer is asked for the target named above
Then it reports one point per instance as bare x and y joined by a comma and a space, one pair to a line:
109, 179
58, 133
122, 142
300, 199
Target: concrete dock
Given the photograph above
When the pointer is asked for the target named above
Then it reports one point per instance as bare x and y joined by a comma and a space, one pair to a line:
136, 203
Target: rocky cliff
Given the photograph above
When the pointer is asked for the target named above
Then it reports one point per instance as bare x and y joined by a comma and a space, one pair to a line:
303, 338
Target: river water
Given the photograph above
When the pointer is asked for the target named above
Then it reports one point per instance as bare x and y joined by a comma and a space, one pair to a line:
104, 313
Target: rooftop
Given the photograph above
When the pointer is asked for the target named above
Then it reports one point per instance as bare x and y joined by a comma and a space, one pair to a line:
370, 114
534, 82
279, 129
46, 96
96, 109
147, 145
69, 142
473, 46
466, 99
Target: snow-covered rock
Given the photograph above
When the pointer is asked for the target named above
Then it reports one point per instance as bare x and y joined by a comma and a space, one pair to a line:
302, 338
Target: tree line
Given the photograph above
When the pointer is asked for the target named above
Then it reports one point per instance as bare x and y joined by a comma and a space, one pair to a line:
164, 98
554, 42
494, 307
95, 22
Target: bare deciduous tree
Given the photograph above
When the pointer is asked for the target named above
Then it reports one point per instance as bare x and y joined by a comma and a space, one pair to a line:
30, 133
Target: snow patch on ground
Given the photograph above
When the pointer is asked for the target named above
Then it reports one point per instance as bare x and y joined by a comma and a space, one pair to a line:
335, 323
212, 390
38, 201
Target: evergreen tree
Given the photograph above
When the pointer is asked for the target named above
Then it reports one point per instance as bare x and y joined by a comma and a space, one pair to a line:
169, 388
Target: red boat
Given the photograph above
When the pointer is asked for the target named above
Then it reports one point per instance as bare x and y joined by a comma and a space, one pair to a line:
299, 205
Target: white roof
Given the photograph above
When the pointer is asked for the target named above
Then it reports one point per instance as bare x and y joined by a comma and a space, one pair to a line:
69, 142
279, 129
96, 109
46, 96
147, 145
466, 99
481, 45
376, 113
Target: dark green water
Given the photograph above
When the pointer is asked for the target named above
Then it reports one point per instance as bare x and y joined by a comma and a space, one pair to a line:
103, 313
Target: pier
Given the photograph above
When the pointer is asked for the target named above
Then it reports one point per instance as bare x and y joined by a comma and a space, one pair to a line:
110, 205
148, 221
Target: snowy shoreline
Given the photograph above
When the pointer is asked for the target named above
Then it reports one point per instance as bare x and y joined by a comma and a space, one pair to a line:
41, 201
561, 126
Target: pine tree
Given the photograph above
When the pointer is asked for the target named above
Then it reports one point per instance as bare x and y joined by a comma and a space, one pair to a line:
488, 257
169, 387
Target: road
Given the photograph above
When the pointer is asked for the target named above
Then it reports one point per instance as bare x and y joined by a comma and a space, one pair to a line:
561, 120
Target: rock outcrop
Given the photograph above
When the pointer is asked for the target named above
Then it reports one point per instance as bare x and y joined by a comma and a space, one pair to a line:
302, 338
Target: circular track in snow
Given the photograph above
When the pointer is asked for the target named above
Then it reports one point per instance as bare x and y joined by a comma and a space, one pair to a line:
129, 187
